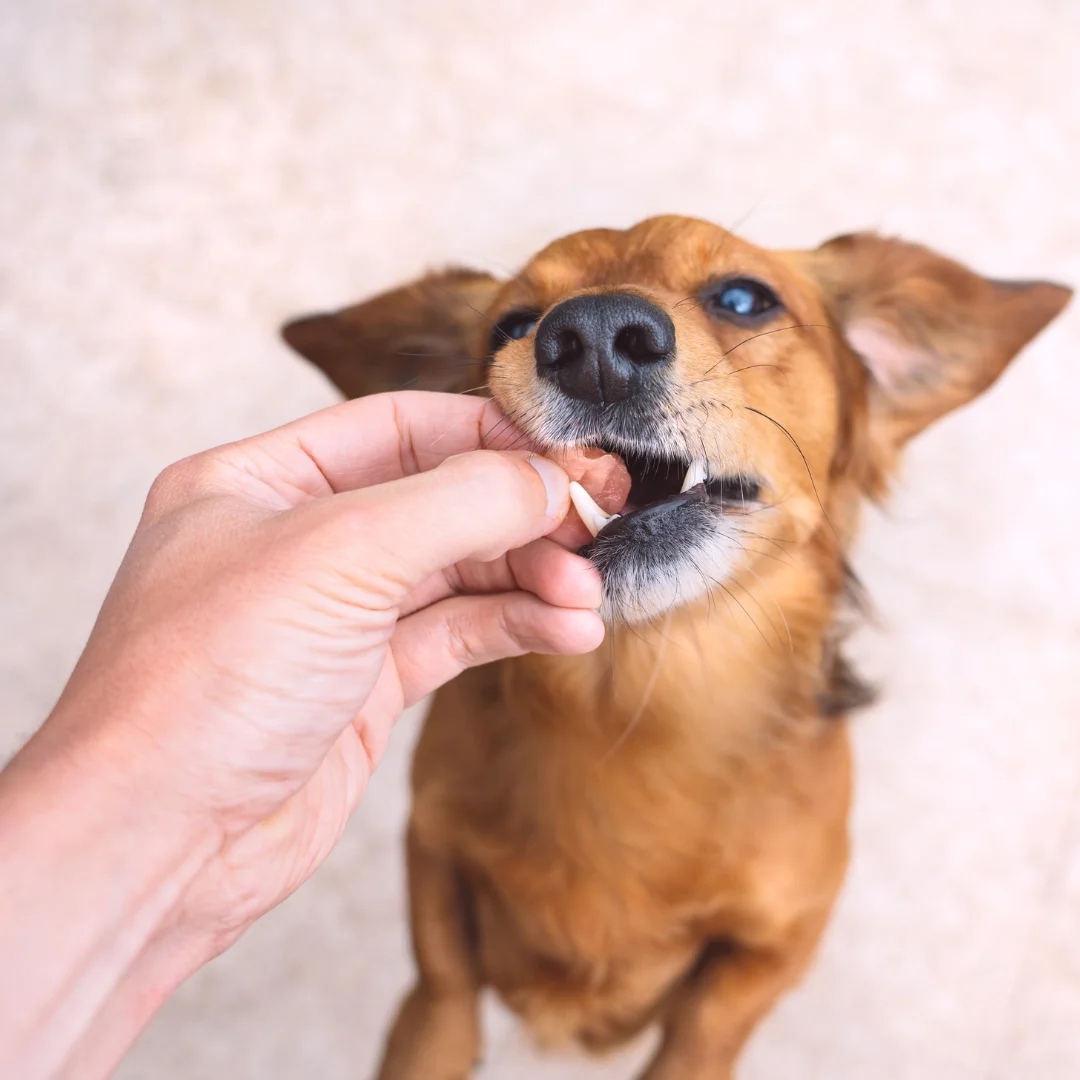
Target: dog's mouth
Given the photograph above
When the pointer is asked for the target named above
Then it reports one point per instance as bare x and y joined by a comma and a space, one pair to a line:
679, 531
659, 488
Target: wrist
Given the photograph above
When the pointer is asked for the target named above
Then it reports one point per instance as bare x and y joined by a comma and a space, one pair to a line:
94, 863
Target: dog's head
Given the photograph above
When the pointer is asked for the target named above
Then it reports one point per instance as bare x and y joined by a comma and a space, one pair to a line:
755, 396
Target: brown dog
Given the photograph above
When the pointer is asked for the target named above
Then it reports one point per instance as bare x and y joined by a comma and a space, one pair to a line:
657, 831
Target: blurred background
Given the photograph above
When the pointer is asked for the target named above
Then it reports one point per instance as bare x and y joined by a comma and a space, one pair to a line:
180, 178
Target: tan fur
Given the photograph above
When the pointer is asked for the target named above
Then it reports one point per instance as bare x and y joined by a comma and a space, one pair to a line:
657, 831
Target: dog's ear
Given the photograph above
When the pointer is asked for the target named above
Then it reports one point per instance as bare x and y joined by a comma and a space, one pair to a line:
931, 333
424, 336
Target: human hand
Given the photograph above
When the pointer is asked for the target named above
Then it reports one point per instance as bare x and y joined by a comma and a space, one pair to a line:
283, 598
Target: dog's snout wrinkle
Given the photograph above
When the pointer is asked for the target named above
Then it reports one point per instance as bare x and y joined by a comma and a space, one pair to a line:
604, 348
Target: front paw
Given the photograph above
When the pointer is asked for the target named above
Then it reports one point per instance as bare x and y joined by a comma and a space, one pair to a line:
433, 1038
669, 1066
663, 1072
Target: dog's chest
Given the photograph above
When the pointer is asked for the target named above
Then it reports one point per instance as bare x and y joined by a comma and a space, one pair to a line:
587, 868
585, 924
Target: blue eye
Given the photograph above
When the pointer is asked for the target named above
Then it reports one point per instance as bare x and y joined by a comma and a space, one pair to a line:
737, 299
512, 326
742, 297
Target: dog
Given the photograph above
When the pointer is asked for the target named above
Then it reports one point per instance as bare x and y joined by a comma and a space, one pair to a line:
656, 832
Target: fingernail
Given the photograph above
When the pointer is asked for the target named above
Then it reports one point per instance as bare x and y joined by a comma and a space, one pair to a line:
555, 483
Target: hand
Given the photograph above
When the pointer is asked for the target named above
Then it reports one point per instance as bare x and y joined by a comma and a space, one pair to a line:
282, 600
285, 597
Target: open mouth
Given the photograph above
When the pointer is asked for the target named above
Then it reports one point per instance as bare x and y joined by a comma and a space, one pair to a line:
659, 485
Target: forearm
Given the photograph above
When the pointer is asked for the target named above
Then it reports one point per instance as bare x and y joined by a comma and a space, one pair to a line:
93, 862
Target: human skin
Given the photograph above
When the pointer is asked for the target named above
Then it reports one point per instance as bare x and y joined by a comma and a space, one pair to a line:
282, 600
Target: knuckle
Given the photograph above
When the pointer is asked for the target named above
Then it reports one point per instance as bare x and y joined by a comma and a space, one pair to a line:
461, 644
482, 634
183, 482
170, 488
506, 630
347, 524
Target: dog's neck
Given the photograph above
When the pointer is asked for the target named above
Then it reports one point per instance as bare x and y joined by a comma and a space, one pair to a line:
740, 661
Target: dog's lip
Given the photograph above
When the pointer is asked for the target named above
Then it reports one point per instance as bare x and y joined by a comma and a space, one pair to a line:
646, 518
658, 509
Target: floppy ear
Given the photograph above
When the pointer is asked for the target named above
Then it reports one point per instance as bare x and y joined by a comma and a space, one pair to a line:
931, 333
419, 337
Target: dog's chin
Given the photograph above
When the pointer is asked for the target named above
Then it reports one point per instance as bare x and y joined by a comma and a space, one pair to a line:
662, 557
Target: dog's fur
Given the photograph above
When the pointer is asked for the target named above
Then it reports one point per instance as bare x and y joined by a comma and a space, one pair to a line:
657, 831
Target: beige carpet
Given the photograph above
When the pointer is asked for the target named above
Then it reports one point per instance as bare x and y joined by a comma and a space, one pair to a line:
179, 178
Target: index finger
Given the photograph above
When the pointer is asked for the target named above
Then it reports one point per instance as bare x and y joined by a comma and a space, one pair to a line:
384, 437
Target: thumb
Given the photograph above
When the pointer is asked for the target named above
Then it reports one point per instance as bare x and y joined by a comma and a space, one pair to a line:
477, 505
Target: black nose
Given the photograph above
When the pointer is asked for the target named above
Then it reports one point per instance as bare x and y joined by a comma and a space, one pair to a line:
604, 348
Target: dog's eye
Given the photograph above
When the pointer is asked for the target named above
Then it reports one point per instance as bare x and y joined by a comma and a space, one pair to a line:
512, 326
741, 297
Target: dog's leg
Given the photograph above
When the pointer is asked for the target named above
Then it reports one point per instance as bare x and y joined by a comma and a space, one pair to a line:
436, 1035
713, 1014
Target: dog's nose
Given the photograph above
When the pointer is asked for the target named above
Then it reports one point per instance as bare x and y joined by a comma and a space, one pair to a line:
604, 348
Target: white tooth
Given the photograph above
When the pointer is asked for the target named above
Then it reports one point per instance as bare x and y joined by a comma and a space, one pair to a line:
595, 518
698, 473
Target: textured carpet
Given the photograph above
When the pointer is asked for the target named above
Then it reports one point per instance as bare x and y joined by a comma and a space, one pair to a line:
178, 179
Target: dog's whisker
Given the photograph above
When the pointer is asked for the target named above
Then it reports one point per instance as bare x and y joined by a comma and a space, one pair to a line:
764, 636
767, 333
646, 693
461, 300
809, 473
440, 356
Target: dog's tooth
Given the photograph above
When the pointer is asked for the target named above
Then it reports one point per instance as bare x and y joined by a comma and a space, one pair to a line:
698, 473
595, 518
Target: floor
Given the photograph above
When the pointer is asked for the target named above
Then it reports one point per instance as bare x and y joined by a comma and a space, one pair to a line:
178, 179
